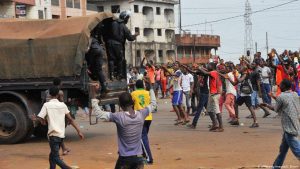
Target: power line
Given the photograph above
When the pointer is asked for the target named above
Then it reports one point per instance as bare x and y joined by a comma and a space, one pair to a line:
241, 15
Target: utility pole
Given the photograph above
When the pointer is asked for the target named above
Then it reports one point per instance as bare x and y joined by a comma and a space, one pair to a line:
267, 43
179, 10
248, 42
255, 47
194, 49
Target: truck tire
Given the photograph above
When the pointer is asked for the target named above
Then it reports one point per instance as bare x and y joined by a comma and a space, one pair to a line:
14, 123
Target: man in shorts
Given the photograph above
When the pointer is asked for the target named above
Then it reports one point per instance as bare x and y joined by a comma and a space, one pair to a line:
213, 107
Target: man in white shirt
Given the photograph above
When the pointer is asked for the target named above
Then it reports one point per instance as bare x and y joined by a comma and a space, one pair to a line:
177, 95
266, 87
55, 112
187, 88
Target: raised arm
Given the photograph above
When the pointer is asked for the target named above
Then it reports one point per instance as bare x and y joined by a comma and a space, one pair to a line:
142, 63
153, 103
188, 69
204, 71
95, 105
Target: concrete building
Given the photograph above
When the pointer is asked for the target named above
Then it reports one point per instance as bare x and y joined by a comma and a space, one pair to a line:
43, 9
154, 20
15, 8
67, 8
192, 48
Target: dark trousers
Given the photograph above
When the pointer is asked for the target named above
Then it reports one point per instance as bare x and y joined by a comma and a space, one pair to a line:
131, 162
288, 142
203, 99
145, 140
193, 101
116, 58
95, 61
266, 89
54, 159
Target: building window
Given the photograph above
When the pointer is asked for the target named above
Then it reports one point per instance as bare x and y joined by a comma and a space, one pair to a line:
100, 8
157, 10
158, 32
137, 30
41, 14
69, 3
55, 16
138, 57
136, 9
160, 53
55, 2
77, 4
115, 9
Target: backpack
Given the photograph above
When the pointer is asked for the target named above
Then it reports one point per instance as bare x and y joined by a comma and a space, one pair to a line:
246, 87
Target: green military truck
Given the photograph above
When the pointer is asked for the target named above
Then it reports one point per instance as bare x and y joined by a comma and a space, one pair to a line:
32, 54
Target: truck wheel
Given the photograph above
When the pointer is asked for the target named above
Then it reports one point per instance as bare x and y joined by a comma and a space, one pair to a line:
13, 123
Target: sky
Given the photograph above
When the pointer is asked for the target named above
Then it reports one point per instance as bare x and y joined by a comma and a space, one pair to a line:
281, 23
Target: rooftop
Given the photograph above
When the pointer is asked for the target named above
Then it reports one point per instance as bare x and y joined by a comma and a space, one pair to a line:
158, 1
198, 40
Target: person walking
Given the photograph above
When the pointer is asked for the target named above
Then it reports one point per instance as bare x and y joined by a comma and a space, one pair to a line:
141, 99
54, 113
288, 106
213, 107
130, 125
245, 93
187, 88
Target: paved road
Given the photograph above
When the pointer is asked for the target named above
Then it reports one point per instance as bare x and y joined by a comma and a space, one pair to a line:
174, 147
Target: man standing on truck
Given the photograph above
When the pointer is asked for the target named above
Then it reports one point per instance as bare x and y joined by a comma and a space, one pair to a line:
94, 59
55, 112
115, 35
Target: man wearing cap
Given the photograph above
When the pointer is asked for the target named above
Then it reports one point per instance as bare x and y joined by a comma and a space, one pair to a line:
115, 37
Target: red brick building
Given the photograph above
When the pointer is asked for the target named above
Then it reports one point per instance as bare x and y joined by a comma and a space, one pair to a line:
192, 48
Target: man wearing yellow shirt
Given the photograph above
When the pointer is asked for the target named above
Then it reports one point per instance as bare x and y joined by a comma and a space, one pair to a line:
141, 99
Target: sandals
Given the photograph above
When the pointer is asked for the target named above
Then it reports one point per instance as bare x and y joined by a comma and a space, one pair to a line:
177, 123
254, 125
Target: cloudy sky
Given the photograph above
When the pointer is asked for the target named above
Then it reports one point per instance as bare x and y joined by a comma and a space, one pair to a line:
281, 23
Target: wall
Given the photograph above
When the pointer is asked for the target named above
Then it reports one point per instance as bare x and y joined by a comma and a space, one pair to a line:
42, 5
7, 10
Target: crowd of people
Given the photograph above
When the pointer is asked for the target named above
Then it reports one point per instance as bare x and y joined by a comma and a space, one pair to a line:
194, 90
207, 87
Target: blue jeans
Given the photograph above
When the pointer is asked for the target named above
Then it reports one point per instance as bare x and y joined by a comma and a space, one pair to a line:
203, 99
54, 159
254, 99
266, 89
288, 141
145, 140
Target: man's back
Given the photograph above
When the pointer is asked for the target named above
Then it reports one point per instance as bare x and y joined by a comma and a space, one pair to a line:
129, 129
287, 104
141, 99
55, 112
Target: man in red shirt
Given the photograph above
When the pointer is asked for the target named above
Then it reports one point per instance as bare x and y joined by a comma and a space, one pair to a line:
213, 107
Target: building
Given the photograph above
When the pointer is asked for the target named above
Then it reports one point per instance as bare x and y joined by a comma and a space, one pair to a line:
15, 8
192, 48
44, 9
154, 20
61, 9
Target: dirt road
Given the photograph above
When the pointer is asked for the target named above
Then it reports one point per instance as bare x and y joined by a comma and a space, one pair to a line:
173, 147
